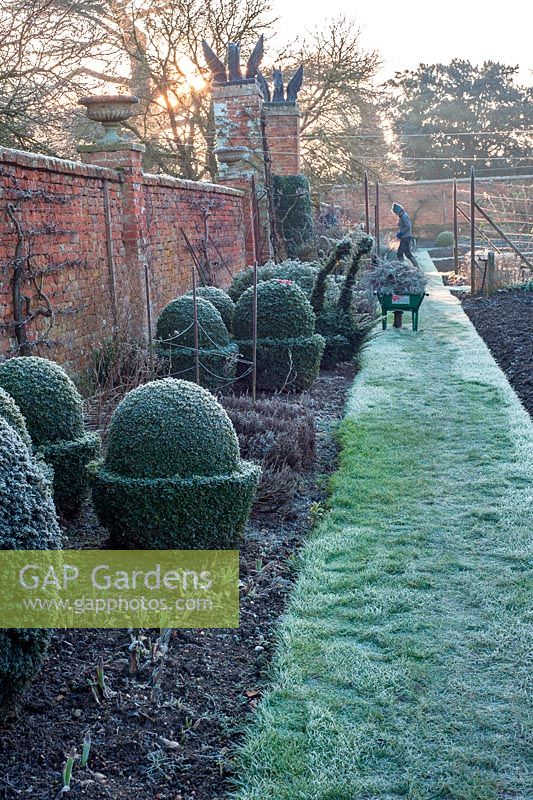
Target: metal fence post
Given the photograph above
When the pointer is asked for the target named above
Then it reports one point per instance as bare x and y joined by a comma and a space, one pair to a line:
377, 231
196, 345
491, 268
455, 230
472, 231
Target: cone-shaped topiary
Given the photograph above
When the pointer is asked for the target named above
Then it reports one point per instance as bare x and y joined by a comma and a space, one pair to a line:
52, 408
288, 350
11, 413
173, 477
27, 522
220, 299
175, 342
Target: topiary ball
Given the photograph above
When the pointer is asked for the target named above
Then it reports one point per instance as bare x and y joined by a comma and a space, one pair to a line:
27, 522
53, 410
221, 301
303, 273
283, 312
173, 477
175, 342
288, 350
11, 413
444, 239
46, 396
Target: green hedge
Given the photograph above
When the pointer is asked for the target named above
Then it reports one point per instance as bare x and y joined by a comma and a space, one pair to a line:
285, 364
27, 522
175, 343
68, 461
53, 410
173, 477
293, 212
221, 301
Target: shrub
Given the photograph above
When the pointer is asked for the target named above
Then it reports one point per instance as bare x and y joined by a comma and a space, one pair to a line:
175, 341
273, 431
288, 350
362, 246
173, 477
279, 435
303, 273
10, 412
393, 277
346, 333
344, 328
444, 239
220, 299
293, 212
52, 408
339, 253
27, 522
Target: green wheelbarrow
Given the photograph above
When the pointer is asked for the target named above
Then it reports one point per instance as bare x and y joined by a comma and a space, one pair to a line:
399, 303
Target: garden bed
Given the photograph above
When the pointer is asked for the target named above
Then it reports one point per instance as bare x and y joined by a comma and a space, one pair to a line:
170, 737
505, 322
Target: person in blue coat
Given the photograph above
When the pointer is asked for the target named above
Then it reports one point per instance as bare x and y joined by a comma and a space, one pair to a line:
405, 234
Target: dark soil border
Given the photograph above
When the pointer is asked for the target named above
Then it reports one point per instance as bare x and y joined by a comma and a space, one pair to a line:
505, 322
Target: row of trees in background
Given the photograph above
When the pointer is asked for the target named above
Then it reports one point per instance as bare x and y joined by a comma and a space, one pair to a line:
414, 126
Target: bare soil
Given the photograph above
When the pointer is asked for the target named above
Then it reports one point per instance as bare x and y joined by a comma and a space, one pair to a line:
505, 322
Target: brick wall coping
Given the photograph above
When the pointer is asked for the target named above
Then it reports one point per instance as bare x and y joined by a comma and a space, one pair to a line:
37, 161
195, 186
479, 178
22, 158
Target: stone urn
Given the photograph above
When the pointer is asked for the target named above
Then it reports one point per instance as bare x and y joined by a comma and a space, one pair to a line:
110, 110
230, 157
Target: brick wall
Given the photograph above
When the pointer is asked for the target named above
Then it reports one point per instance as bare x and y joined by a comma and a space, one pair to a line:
282, 127
78, 252
429, 203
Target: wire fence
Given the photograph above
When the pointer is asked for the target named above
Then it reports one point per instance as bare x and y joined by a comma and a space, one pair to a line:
499, 249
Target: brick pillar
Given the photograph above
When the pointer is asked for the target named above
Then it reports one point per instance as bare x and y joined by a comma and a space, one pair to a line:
282, 122
130, 271
239, 150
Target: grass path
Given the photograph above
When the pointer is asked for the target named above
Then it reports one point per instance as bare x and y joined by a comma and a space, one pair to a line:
402, 664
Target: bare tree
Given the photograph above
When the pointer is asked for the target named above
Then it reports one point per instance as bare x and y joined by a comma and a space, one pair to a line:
153, 49
342, 130
41, 48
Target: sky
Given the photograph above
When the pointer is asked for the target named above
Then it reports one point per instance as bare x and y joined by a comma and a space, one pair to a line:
409, 32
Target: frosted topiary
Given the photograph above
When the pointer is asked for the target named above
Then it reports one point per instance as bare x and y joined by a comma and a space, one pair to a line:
175, 342
27, 522
444, 239
303, 273
288, 350
11, 413
221, 301
173, 477
52, 408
